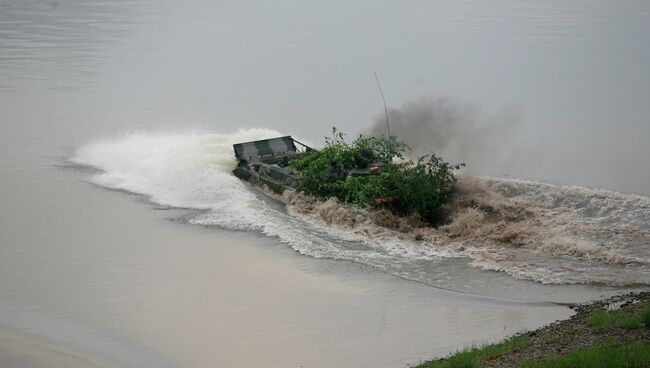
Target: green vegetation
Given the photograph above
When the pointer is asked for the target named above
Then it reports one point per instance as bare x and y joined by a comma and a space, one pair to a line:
630, 322
607, 356
646, 316
471, 358
601, 319
594, 338
406, 187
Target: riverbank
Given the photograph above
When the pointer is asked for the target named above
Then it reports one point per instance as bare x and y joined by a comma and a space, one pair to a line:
614, 332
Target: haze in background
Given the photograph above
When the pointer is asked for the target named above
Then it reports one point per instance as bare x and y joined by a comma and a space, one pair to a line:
576, 73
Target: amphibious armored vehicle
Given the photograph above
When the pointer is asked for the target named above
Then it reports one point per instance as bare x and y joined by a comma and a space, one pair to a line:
265, 162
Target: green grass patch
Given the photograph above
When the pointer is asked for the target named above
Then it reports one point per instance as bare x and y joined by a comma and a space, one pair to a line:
472, 357
635, 355
630, 322
600, 319
613, 354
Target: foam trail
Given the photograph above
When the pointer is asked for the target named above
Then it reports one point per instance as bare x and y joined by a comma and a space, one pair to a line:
179, 170
194, 171
529, 230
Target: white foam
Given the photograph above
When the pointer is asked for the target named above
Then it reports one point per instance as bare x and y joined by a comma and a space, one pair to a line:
180, 170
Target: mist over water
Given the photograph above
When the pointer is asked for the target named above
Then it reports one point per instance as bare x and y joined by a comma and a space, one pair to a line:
573, 77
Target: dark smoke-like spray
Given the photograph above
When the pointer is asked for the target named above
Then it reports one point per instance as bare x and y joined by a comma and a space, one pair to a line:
456, 130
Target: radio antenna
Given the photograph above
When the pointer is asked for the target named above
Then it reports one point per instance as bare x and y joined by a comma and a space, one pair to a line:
383, 99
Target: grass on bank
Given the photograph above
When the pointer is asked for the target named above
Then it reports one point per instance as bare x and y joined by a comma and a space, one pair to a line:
602, 319
472, 357
634, 355
645, 316
613, 354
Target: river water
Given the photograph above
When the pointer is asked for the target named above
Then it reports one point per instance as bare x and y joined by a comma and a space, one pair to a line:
181, 265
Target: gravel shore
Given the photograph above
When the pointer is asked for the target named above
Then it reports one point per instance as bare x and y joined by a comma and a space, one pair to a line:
569, 335
577, 332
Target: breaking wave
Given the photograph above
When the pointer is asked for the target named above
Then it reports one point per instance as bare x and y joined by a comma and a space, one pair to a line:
529, 230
